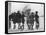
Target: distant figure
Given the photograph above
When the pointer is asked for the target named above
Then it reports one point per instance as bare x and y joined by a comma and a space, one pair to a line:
22, 19
37, 20
18, 18
28, 19
31, 24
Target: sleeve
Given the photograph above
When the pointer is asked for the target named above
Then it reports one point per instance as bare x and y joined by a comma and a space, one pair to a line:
38, 16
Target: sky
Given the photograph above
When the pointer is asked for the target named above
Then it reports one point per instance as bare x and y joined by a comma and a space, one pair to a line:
22, 6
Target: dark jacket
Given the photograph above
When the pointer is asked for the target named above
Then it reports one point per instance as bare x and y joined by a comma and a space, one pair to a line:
18, 17
37, 18
22, 18
31, 19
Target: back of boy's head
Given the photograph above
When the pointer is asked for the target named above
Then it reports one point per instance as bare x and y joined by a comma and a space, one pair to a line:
36, 12
32, 13
18, 11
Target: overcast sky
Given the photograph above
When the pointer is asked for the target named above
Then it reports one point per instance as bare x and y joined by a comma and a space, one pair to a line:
21, 6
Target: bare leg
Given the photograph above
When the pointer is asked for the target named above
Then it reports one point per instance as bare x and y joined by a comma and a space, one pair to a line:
19, 26
14, 26
37, 26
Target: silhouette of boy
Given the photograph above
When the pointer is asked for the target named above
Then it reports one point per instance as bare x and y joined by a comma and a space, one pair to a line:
31, 21
37, 20
18, 18
22, 19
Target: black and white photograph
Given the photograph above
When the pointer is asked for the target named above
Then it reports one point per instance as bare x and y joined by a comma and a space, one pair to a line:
25, 17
